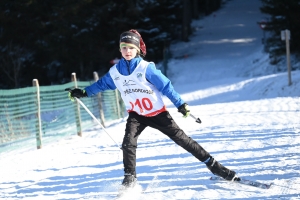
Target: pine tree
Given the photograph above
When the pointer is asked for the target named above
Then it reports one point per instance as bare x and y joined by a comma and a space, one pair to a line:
284, 14
54, 38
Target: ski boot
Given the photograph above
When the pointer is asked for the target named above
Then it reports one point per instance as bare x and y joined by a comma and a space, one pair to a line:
217, 169
129, 180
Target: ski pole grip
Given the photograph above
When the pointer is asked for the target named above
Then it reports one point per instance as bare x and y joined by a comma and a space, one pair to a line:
198, 120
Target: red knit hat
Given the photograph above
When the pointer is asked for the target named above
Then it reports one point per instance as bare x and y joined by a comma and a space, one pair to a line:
134, 39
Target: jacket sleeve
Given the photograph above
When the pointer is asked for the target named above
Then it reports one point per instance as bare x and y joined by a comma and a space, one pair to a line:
104, 83
163, 84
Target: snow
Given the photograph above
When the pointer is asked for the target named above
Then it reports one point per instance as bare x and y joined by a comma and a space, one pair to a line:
250, 123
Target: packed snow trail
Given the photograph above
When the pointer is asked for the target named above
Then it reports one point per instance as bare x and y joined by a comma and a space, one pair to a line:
250, 123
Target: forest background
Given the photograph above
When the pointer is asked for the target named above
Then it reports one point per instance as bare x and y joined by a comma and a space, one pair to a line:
50, 39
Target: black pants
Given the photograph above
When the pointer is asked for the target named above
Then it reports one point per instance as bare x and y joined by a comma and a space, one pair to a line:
162, 122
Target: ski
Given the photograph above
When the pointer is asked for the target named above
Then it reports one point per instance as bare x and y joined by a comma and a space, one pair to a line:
245, 182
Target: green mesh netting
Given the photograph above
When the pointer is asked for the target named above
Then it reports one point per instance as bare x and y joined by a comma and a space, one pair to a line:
19, 112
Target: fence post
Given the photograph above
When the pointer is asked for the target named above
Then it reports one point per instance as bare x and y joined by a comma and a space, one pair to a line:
285, 35
288, 61
77, 108
96, 78
35, 83
118, 103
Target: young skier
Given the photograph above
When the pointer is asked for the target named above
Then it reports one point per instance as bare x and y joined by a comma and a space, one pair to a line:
141, 85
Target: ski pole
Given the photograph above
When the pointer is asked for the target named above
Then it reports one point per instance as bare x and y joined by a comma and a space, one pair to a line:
198, 120
93, 116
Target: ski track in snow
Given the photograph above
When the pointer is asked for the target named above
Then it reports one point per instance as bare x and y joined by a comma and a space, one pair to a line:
259, 139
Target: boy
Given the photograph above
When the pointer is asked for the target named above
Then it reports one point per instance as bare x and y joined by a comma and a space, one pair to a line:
141, 86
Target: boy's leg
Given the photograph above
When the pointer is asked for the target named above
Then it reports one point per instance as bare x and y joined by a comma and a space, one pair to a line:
165, 123
129, 145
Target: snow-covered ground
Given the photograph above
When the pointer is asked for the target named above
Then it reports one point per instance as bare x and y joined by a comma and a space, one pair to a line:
250, 123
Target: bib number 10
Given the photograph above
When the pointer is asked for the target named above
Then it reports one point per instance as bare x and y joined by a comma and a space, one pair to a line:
142, 104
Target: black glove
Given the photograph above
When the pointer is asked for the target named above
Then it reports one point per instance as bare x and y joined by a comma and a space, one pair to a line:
78, 93
184, 109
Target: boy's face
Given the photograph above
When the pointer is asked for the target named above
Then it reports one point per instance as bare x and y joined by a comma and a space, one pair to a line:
128, 52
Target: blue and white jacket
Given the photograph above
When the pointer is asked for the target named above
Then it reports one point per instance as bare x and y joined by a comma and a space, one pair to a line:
153, 75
